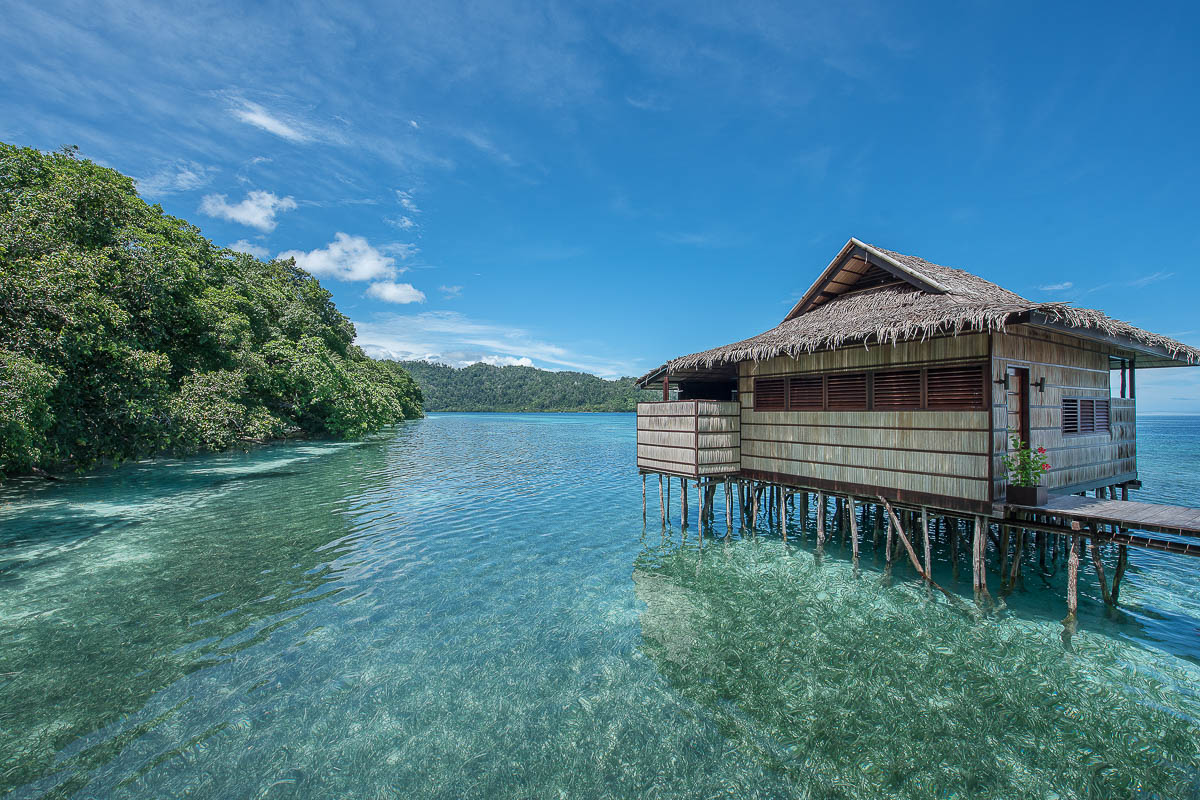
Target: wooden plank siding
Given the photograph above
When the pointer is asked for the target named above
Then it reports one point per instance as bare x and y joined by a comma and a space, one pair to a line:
1071, 367
930, 456
690, 438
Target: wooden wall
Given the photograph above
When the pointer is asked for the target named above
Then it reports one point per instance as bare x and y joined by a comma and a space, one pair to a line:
1072, 368
936, 457
689, 437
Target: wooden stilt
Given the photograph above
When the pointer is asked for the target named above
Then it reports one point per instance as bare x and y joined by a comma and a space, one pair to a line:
887, 555
1016, 559
662, 503
754, 493
728, 510
783, 513
1005, 532
1073, 578
683, 502
853, 529
643, 497
1122, 560
979, 551
1098, 563
954, 548
820, 518
925, 536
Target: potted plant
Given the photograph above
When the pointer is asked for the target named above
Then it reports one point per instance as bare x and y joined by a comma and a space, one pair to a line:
1024, 467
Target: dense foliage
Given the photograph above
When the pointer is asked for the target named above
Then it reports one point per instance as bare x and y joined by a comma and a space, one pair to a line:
124, 332
483, 387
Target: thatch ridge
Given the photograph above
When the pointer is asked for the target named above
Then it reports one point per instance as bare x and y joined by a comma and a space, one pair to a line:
896, 313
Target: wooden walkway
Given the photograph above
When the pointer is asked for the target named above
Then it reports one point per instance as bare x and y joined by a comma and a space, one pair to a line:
1097, 515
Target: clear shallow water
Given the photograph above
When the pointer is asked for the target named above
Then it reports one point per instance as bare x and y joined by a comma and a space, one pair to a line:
470, 606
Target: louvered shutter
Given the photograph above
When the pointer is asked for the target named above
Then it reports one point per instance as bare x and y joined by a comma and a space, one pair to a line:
897, 390
769, 394
806, 393
955, 387
847, 392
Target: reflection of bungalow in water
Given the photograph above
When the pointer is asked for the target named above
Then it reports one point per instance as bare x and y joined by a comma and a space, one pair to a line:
893, 376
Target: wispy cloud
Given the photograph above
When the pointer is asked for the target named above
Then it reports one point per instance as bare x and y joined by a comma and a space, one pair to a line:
250, 248
351, 258
486, 146
403, 222
453, 338
1153, 277
405, 198
450, 292
690, 239
1056, 287
181, 176
392, 292
271, 122
257, 210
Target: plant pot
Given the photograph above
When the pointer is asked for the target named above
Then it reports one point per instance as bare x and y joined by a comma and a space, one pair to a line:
1027, 495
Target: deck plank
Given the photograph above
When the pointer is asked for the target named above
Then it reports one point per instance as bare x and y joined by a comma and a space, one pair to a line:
1125, 513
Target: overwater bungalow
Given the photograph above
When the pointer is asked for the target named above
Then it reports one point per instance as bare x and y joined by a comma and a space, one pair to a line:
897, 378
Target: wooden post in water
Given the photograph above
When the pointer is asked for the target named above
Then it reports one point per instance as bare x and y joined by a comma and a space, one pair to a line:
1004, 538
928, 546
1122, 560
783, 513
662, 503
853, 528
643, 497
728, 511
683, 502
1016, 559
978, 552
1099, 565
887, 555
1073, 578
754, 493
820, 518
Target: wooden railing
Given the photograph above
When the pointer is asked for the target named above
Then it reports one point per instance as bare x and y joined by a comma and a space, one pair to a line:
692, 438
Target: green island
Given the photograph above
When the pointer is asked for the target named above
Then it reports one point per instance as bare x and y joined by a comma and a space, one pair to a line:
514, 388
130, 334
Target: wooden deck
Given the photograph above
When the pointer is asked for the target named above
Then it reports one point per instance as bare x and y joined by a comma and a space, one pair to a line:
1092, 513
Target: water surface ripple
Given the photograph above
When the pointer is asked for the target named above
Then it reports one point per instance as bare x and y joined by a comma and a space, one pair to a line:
471, 606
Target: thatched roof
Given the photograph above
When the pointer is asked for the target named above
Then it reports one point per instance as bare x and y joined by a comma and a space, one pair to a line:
873, 296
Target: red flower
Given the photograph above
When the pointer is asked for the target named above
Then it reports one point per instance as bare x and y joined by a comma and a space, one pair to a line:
1042, 450
1045, 467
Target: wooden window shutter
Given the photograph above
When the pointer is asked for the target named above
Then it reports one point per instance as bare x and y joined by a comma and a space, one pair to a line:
769, 394
1087, 416
897, 390
806, 393
955, 387
1070, 415
1101, 425
847, 392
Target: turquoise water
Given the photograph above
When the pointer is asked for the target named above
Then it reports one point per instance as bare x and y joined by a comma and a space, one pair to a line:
471, 606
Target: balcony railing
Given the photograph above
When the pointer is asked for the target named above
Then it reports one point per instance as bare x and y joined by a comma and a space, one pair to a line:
690, 438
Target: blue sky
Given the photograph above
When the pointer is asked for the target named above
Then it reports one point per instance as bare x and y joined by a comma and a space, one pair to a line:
605, 185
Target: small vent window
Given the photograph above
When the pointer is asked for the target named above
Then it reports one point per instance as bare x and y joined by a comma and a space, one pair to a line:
847, 392
955, 387
1084, 415
897, 390
769, 394
806, 393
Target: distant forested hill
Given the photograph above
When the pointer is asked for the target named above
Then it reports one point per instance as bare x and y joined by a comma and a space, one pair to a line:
124, 332
483, 387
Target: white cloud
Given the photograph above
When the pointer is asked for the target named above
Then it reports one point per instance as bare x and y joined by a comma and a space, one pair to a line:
258, 210
250, 248
259, 117
414, 124
506, 361
1056, 287
181, 176
350, 258
453, 338
406, 200
391, 292
402, 222
450, 292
